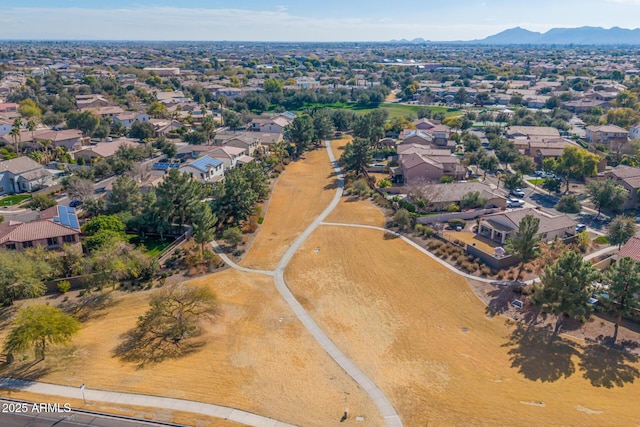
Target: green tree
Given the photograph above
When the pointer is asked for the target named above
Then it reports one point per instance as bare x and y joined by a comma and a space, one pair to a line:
473, 200
157, 110
402, 217
512, 181
86, 121
39, 326
623, 280
524, 165
28, 109
488, 163
204, 223
22, 274
357, 156
621, 229
565, 288
234, 199
272, 86
461, 96
31, 127
232, 119
525, 242
574, 163
300, 132
208, 126
15, 134
142, 130
623, 117
177, 194
607, 194
322, 124
233, 236
125, 196
568, 204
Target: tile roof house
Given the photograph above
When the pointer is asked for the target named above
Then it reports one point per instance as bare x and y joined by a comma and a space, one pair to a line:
56, 226
275, 125
205, 169
129, 118
102, 150
531, 131
22, 174
442, 195
245, 141
228, 155
69, 138
499, 227
607, 134
629, 178
420, 167
631, 249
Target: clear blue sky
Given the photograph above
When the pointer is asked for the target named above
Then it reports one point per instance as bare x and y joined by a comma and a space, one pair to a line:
301, 20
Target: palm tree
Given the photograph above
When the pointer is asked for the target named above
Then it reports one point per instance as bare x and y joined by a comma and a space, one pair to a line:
31, 127
15, 132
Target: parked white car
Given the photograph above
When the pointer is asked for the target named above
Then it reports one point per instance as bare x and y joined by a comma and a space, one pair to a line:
515, 203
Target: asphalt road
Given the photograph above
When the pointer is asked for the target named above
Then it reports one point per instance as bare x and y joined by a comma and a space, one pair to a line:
20, 413
72, 419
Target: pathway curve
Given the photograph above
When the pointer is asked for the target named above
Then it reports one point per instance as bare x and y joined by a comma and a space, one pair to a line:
391, 417
217, 411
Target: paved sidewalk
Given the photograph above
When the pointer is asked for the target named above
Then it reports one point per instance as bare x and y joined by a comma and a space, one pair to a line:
223, 412
217, 249
391, 417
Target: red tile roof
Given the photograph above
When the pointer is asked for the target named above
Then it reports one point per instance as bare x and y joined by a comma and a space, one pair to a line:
35, 230
631, 249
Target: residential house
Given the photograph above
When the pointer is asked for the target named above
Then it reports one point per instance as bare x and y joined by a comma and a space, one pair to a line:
244, 141
163, 72
22, 174
84, 102
275, 125
418, 167
165, 126
8, 107
425, 124
583, 105
102, 150
531, 131
106, 111
441, 195
127, 119
415, 137
499, 227
634, 131
607, 135
205, 170
71, 139
629, 178
55, 227
630, 249
5, 127
228, 155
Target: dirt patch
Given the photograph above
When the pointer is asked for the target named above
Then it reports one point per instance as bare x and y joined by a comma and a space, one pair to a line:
400, 317
302, 192
257, 357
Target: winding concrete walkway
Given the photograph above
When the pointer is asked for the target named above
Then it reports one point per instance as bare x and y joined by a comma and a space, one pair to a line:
217, 411
391, 417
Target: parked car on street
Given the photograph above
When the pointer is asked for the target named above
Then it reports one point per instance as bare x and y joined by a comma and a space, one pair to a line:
518, 192
515, 203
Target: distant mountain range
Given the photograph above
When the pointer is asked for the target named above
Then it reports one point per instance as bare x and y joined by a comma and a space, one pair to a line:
557, 36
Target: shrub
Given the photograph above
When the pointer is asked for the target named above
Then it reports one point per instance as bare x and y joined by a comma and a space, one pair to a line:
461, 260
384, 183
407, 205
64, 286
233, 236
260, 220
500, 275
485, 271
446, 179
238, 252
361, 187
582, 240
456, 222
452, 208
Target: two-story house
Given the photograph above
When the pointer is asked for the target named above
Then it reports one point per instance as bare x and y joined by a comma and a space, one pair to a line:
205, 170
607, 134
22, 174
129, 118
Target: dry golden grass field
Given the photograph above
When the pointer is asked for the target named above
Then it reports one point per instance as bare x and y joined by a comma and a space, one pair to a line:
352, 210
418, 331
302, 192
257, 357
337, 145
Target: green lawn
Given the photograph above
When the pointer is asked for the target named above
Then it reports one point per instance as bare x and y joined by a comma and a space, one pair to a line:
14, 200
153, 245
395, 110
536, 181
